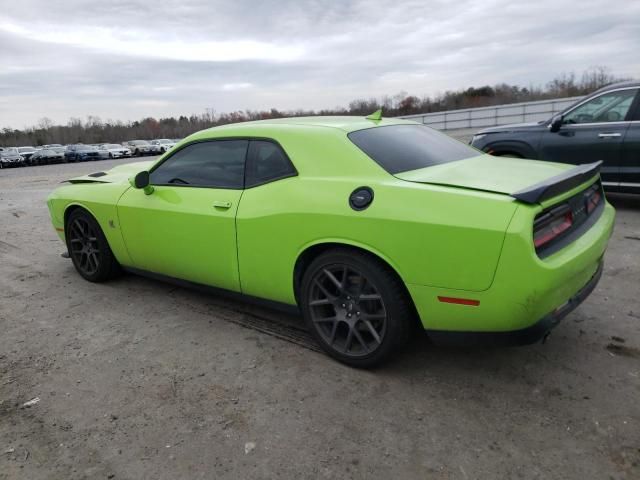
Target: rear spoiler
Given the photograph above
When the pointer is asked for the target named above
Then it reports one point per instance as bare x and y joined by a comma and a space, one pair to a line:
558, 184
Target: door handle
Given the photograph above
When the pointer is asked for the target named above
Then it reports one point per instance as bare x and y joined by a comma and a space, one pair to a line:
608, 135
222, 204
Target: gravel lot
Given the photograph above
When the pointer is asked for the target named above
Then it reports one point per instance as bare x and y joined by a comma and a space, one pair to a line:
139, 379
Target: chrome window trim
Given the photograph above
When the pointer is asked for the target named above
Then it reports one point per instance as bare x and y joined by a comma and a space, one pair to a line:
597, 124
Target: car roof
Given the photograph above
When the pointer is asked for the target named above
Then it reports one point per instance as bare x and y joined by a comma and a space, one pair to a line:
345, 123
617, 85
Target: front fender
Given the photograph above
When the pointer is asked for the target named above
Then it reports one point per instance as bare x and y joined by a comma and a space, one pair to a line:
100, 200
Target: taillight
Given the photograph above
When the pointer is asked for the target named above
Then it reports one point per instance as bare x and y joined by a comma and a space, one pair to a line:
551, 225
593, 200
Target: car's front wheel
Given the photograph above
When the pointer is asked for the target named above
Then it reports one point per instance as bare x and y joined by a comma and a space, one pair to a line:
356, 307
89, 249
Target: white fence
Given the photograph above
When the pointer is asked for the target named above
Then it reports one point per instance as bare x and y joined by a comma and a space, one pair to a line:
493, 116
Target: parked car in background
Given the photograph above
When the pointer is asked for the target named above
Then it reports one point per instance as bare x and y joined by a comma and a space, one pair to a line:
141, 147
113, 150
26, 152
81, 153
47, 156
163, 144
605, 126
9, 157
155, 149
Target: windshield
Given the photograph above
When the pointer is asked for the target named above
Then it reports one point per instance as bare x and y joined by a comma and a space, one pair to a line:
140, 142
400, 148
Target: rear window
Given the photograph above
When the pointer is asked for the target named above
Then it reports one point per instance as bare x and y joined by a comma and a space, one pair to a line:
401, 148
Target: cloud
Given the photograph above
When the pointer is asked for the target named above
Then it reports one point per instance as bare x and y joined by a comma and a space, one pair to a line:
145, 44
230, 87
127, 59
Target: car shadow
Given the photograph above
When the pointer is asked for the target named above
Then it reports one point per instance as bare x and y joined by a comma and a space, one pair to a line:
419, 357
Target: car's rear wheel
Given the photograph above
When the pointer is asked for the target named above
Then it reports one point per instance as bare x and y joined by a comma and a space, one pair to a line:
356, 307
88, 248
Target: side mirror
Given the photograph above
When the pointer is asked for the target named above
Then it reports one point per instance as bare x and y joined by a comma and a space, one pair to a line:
556, 123
141, 181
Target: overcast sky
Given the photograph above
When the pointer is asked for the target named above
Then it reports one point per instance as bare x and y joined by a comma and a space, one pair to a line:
127, 59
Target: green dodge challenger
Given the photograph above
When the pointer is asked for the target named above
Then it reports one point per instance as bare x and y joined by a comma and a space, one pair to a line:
368, 226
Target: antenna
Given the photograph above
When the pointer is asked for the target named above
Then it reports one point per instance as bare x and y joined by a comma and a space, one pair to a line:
375, 116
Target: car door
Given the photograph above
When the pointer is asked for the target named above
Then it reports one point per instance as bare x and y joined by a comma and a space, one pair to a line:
630, 157
592, 131
185, 228
266, 201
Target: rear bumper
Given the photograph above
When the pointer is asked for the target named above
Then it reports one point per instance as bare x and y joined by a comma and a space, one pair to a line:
525, 336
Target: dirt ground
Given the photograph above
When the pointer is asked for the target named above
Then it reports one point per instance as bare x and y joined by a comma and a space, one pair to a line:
137, 379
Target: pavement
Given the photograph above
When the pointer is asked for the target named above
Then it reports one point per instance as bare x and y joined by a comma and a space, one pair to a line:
138, 379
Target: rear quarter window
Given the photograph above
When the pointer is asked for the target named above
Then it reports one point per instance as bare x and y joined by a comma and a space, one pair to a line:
401, 148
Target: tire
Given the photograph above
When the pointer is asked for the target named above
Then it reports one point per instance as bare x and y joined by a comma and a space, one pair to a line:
88, 248
360, 332
137, 153
111, 155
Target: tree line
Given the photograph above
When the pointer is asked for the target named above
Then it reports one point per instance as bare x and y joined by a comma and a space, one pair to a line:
94, 130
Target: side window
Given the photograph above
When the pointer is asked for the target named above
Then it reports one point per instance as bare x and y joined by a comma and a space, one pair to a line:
609, 107
218, 163
267, 162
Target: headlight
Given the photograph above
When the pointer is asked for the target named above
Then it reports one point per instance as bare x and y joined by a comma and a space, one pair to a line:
477, 138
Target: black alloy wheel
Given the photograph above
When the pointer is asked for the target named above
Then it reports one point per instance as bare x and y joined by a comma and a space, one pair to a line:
356, 307
88, 248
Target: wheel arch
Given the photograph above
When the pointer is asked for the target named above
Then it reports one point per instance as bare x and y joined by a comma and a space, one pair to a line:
71, 207
311, 251
515, 147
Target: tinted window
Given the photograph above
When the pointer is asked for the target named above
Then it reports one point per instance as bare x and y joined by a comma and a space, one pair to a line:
210, 164
400, 148
608, 107
267, 162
